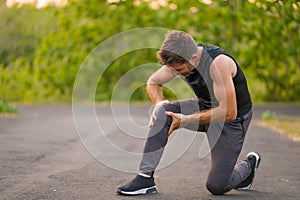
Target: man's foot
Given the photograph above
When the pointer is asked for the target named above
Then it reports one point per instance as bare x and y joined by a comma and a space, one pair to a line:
254, 159
138, 186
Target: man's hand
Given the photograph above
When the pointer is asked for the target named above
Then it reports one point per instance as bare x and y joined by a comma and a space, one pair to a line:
179, 120
154, 112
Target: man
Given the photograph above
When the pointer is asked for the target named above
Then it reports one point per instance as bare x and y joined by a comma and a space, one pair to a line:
222, 108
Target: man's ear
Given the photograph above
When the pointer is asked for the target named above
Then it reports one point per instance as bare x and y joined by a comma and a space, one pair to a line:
194, 56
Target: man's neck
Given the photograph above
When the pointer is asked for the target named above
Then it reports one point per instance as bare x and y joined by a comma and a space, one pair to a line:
196, 60
199, 54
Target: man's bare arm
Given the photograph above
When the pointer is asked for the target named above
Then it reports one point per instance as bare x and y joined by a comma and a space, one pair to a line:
223, 69
154, 89
156, 81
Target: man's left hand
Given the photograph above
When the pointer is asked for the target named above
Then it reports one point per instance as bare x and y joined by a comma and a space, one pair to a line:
178, 121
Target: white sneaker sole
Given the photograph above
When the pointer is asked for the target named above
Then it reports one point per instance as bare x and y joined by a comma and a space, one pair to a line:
150, 190
245, 188
257, 157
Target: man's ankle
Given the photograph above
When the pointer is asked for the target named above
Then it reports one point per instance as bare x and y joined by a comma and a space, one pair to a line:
147, 174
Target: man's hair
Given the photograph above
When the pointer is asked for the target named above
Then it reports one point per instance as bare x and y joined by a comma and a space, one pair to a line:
178, 47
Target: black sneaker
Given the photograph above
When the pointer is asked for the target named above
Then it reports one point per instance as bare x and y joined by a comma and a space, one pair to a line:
254, 159
138, 186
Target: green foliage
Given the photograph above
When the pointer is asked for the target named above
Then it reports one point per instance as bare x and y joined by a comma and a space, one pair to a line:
6, 107
22, 30
41, 50
268, 115
273, 49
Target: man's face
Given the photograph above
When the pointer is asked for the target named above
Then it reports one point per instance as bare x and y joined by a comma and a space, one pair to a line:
183, 69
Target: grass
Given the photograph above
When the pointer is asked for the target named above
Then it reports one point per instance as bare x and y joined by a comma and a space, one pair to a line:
7, 107
289, 125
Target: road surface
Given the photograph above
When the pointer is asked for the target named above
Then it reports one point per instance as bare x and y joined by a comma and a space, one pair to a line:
42, 157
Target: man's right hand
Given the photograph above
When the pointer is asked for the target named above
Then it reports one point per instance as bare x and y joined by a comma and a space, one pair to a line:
154, 112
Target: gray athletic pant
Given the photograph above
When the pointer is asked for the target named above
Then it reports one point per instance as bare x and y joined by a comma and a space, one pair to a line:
225, 139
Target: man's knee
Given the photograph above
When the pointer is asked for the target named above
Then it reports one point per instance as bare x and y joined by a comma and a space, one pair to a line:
161, 124
161, 112
215, 188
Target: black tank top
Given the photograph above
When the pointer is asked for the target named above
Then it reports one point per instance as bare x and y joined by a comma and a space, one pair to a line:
202, 84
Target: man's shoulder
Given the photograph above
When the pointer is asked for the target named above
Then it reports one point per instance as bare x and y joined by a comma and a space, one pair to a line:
224, 64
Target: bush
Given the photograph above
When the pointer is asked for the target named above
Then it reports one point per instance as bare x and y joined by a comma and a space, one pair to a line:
268, 115
41, 50
7, 107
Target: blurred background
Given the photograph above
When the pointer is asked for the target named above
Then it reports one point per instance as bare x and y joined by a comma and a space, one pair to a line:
43, 43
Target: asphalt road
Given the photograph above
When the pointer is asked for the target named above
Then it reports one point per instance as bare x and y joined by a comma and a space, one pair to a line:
42, 157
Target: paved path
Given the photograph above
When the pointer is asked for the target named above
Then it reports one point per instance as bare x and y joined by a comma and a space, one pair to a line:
42, 157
